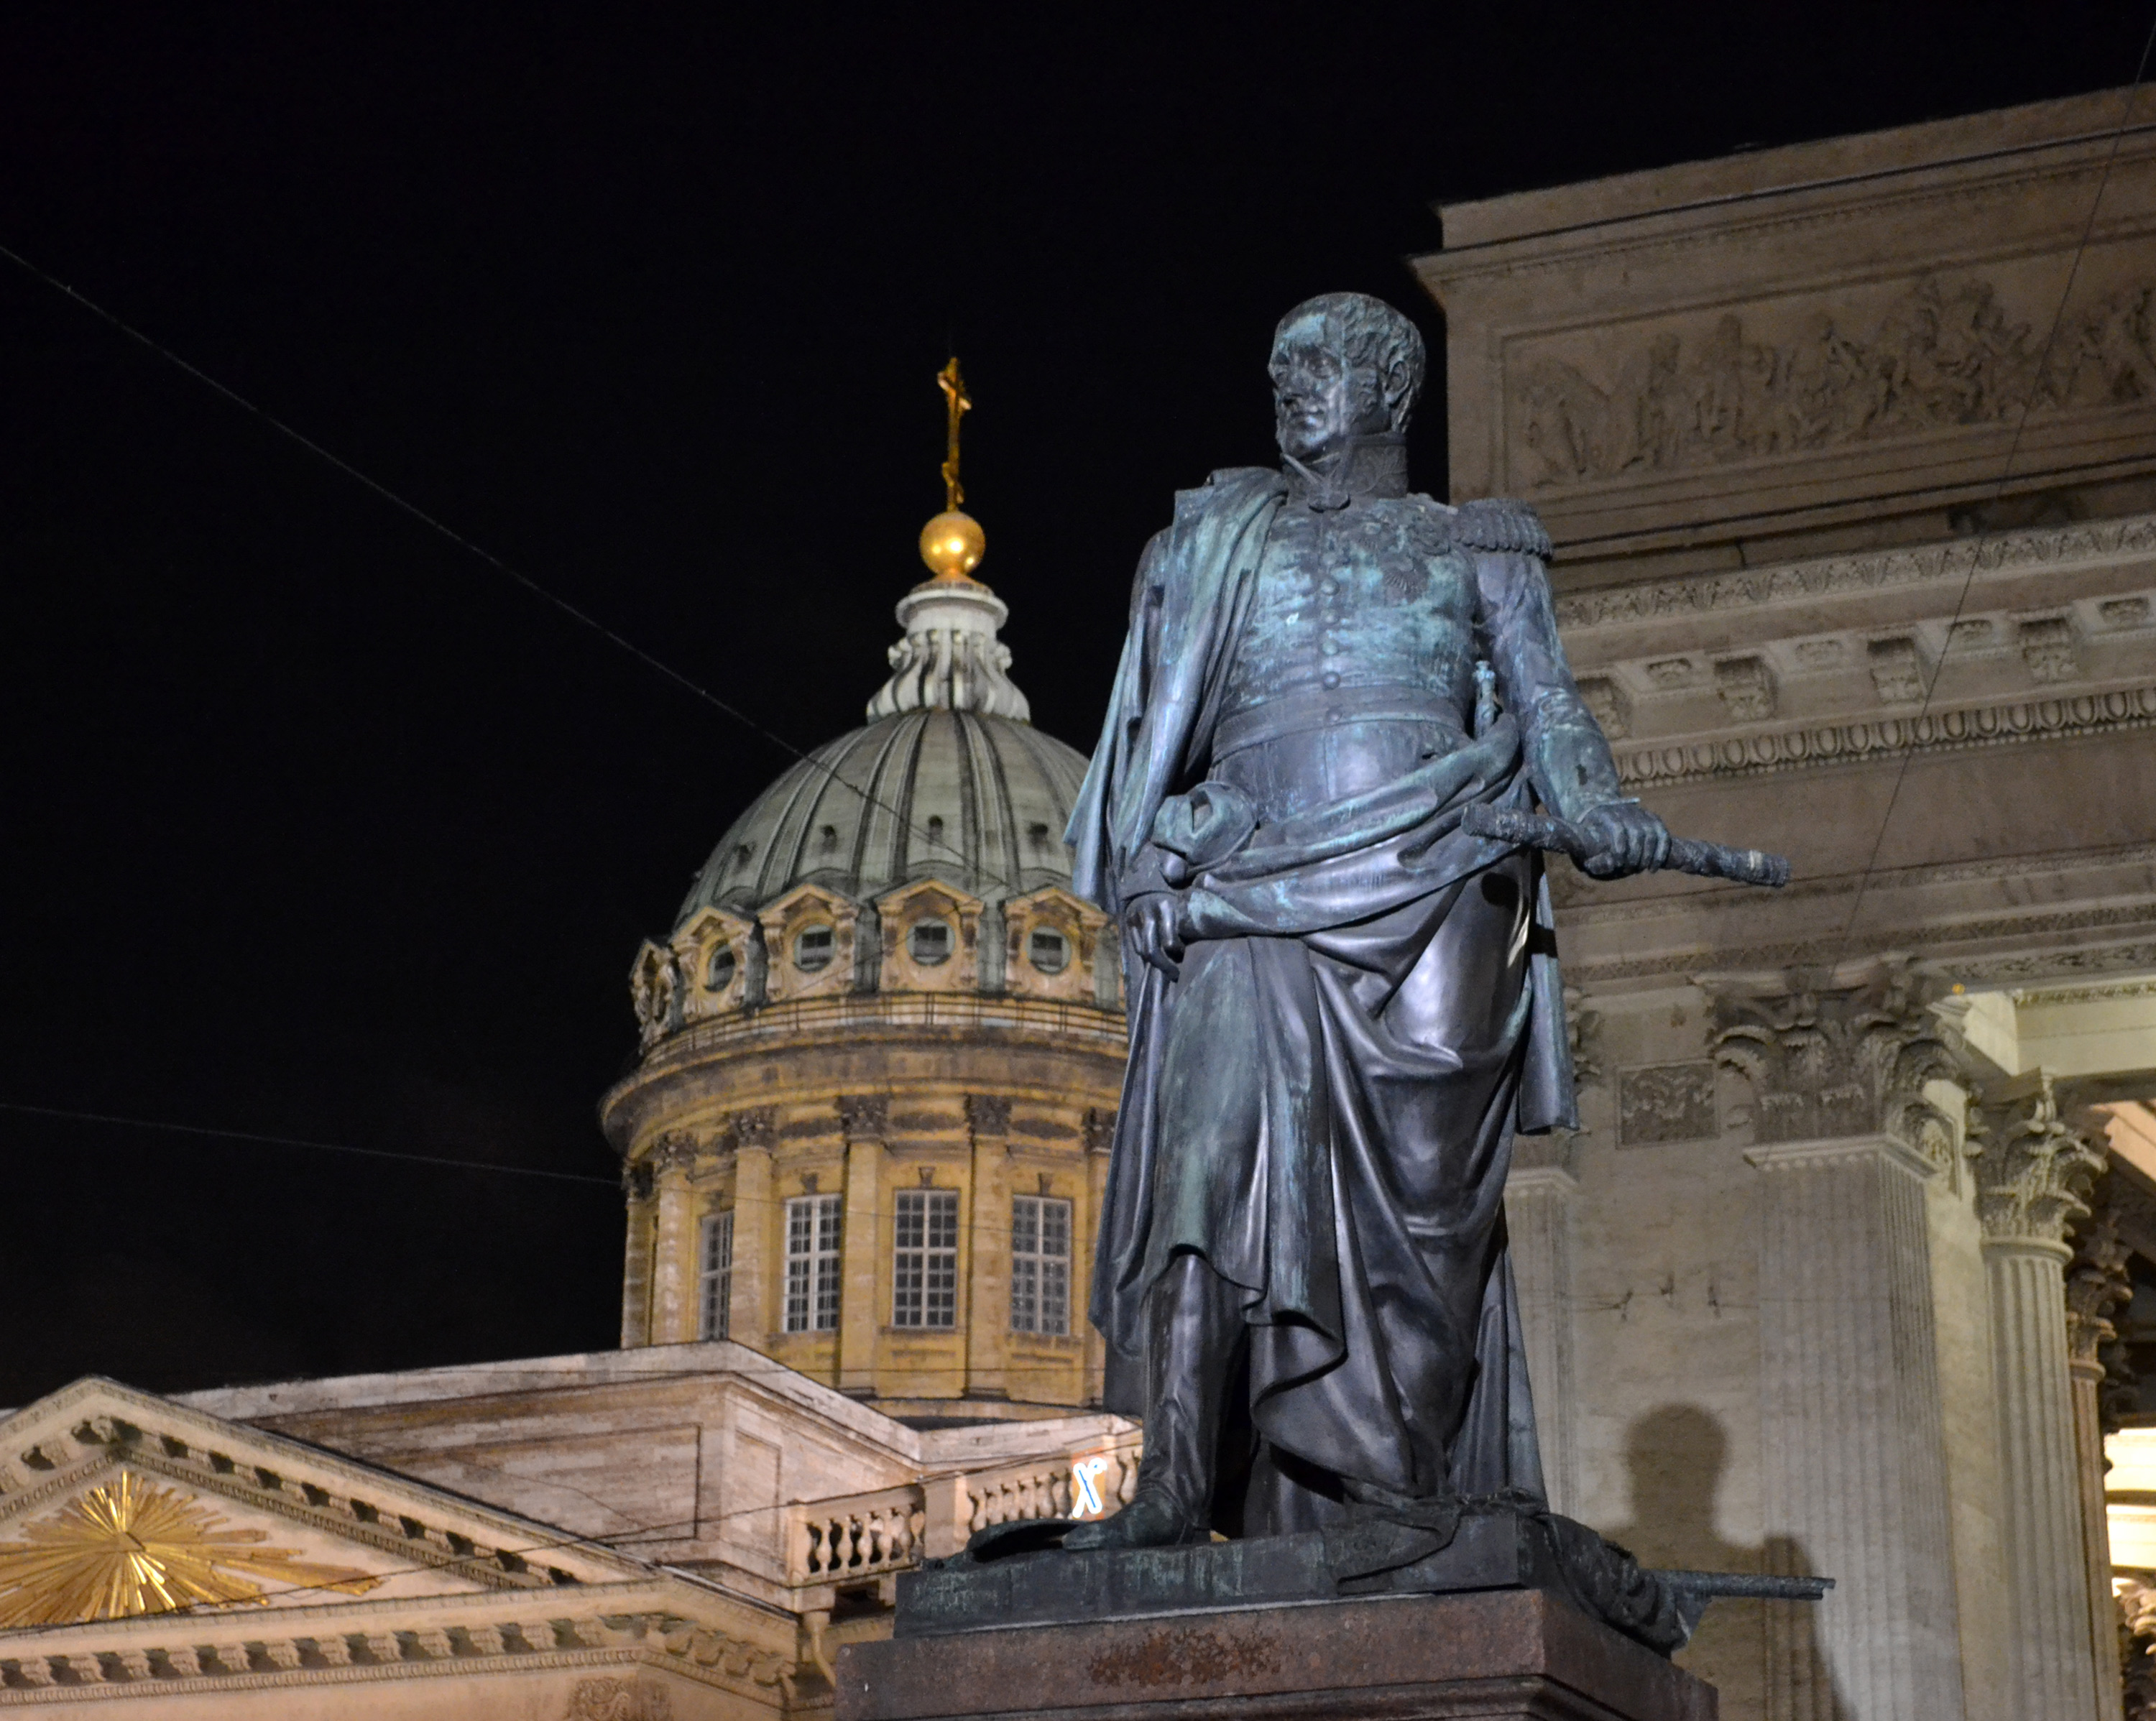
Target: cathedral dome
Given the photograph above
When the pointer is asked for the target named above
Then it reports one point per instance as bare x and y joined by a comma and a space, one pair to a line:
923, 852
975, 800
882, 1003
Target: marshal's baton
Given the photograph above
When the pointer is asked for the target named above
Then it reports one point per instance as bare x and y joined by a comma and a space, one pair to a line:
1705, 860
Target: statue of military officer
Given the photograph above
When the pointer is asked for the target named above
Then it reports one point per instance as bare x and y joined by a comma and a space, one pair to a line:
1342, 1005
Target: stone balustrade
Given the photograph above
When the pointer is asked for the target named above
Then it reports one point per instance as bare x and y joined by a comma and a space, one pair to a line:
854, 1537
1023, 1491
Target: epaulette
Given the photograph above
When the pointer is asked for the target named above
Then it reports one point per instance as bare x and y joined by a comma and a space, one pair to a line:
1495, 523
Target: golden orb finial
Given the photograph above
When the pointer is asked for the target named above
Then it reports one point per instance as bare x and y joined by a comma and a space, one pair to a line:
952, 543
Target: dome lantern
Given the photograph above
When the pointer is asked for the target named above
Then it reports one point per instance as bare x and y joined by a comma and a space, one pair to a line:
950, 659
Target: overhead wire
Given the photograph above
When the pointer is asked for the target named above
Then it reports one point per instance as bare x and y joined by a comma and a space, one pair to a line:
879, 1213
250, 1135
1985, 528
433, 523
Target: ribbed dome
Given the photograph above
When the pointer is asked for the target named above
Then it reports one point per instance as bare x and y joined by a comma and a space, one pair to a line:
976, 800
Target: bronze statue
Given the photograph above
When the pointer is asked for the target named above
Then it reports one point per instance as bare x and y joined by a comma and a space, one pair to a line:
1337, 706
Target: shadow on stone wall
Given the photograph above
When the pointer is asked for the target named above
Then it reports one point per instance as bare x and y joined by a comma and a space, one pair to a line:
1676, 1455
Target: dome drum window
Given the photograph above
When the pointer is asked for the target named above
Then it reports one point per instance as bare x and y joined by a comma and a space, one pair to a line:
711, 956
1051, 942
812, 949
1048, 950
930, 942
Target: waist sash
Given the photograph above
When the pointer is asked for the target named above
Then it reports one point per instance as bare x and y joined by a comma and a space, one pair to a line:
1313, 707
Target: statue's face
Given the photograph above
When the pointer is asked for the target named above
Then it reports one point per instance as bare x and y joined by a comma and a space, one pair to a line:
1320, 399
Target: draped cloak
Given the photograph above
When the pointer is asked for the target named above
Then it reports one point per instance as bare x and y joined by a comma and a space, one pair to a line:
1363, 1218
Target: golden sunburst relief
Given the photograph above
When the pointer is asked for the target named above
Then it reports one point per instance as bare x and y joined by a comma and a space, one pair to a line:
131, 1547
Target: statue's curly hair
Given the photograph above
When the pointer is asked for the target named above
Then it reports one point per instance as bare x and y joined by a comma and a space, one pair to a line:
1371, 333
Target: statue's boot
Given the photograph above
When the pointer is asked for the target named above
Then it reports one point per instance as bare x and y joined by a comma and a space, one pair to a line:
1193, 1325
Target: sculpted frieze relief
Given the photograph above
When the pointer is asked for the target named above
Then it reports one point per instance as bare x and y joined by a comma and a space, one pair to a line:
1947, 353
1665, 1103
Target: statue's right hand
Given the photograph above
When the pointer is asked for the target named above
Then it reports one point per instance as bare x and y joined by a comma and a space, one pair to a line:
1153, 921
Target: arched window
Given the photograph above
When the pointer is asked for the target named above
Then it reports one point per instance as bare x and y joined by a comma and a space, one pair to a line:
719, 969
812, 948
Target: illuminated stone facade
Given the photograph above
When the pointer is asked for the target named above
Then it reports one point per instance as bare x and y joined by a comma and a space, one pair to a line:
1846, 451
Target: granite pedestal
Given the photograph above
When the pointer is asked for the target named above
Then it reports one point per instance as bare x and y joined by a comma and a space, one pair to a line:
1506, 1655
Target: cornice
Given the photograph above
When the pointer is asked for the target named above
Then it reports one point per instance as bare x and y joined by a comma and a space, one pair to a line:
2051, 995
2029, 965
842, 1019
1697, 226
1939, 940
479, 1648
2090, 543
1869, 739
1580, 914
1826, 1152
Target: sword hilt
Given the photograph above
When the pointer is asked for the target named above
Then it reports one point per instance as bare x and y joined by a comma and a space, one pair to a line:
1687, 854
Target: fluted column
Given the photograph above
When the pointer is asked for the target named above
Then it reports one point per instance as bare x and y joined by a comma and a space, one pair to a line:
1538, 1208
987, 1276
755, 1229
865, 1117
2029, 1169
1853, 1446
2097, 1284
673, 1312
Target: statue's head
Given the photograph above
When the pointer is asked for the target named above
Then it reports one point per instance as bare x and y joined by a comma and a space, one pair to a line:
1344, 365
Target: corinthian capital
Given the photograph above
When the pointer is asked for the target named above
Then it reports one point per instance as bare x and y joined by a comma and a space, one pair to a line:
755, 1128
865, 1117
2097, 1284
1835, 1053
673, 1155
2032, 1172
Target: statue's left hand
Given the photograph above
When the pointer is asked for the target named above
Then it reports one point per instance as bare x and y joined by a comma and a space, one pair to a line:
1627, 839
1155, 921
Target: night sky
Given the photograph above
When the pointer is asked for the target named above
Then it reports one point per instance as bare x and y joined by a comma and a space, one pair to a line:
316, 826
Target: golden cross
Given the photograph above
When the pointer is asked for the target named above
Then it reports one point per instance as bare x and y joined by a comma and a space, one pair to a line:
956, 406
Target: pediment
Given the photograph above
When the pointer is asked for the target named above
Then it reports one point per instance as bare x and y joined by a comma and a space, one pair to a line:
805, 901
115, 1503
150, 1548
931, 892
